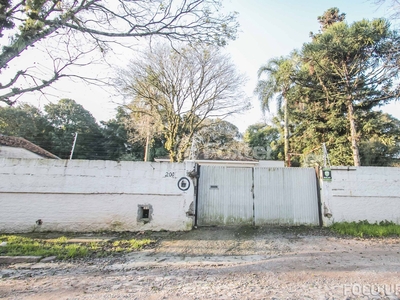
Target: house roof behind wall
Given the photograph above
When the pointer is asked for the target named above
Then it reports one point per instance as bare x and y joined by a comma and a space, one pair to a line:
18, 142
213, 157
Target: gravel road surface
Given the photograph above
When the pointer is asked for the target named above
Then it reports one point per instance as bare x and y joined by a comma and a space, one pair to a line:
222, 263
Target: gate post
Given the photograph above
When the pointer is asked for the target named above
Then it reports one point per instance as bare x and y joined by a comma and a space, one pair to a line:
317, 175
252, 191
197, 194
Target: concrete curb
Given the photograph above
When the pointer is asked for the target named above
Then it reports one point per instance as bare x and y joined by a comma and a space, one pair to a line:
19, 259
48, 259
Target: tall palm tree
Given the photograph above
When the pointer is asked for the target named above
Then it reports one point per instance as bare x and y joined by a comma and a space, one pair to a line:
279, 81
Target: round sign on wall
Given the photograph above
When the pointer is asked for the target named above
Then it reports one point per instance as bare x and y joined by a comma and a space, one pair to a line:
183, 184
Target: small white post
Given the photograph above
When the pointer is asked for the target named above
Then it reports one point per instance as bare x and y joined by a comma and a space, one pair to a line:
73, 146
147, 148
326, 155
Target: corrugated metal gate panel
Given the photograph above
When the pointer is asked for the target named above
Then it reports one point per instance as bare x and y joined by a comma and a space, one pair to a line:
225, 196
285, 196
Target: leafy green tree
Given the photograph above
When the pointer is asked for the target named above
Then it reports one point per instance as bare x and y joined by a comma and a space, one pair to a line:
28, 122
265, 137
114, 139
380, 143
218, 139
67, 118
279, 82
315, 121
125, 138
178, 90
330, 17
117, 141
157, 148
355, 66
217, 132
343, 74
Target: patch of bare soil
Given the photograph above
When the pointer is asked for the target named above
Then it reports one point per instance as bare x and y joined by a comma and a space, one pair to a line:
222, 263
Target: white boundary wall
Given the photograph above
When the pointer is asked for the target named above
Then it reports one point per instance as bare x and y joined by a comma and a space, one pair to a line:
361, 193
82, 195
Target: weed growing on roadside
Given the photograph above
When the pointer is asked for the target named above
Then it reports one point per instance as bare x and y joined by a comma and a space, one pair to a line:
366, 229
16, 245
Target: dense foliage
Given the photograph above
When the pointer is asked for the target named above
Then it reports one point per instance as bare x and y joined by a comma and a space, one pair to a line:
117, 139
331, 89
55, 128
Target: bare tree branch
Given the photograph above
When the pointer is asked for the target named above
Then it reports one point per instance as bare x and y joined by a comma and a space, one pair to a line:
99, 23
394, 7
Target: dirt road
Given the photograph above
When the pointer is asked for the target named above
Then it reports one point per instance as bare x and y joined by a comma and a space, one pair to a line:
223, 263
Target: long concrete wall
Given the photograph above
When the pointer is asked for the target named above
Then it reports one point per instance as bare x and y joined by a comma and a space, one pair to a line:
80, 195
361, 193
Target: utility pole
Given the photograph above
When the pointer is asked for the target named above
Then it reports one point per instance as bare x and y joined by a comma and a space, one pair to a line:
147, 149
73, 146
286, 133
326, 156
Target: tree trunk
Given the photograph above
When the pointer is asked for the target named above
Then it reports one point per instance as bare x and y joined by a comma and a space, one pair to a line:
353, 135
181, 156
286, 133
170, 146
172, 156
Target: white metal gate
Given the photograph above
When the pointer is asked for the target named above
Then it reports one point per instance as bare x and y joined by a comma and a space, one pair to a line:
285, 196
225, 196
238, 196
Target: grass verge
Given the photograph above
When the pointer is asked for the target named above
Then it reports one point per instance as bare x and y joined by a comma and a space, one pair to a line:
366, 229
18, 245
